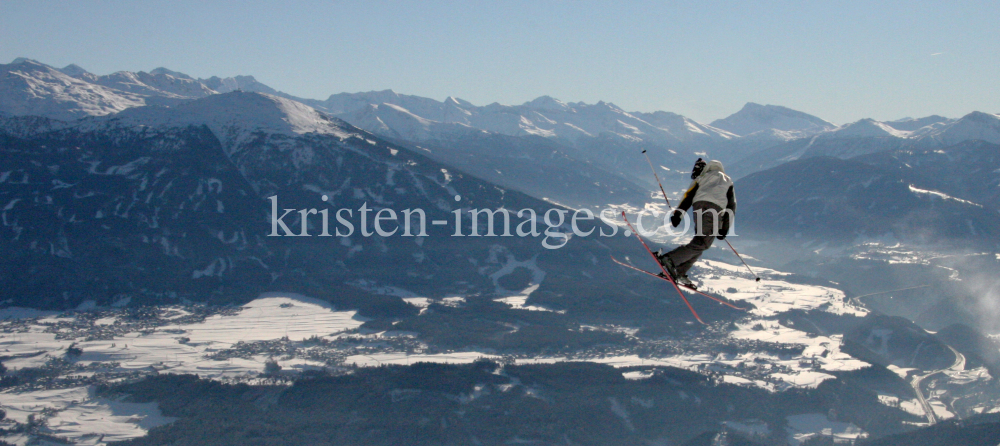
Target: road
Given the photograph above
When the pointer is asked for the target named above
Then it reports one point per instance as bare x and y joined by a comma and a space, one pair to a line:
958, 365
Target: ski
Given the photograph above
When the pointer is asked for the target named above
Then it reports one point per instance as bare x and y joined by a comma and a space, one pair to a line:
695, 290
667, 276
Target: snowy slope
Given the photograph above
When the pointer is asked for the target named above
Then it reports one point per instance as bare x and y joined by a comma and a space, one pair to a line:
233, 117
866, 128
156, 85
244, 83
31, 88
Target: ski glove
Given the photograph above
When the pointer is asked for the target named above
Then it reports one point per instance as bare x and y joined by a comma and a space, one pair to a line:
723, 227
676, 217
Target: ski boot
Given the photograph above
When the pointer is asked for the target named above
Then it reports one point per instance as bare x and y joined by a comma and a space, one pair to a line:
667, 265
684, 281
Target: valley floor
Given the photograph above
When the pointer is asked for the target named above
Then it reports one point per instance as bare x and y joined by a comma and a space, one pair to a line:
59, 359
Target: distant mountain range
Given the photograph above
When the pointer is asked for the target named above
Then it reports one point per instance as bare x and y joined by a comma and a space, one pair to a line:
574, 154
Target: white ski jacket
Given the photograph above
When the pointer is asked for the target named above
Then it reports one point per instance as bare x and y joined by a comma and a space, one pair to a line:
713, 186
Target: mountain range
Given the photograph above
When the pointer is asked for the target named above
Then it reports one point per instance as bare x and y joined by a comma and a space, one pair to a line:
752, 139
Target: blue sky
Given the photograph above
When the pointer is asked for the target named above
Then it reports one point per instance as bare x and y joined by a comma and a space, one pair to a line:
841, 61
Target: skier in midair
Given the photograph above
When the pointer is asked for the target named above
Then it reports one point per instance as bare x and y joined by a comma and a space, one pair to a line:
713, 203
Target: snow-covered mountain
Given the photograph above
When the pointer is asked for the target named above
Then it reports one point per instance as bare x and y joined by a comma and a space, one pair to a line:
244, 83
865, 128
911, 124
150, 85
868, 136
772, 121
973, 126
30, 88
600, 139
544, 116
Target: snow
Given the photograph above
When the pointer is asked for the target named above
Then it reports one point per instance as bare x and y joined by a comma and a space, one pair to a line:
517, 301
772, 295
400, 358
419, 302
805, 379
941, 195
975, 125
772, 120
961, 377
235, 118
867, 128
272, 316
31, 88
912, 406
902, 372
806, 426
422, 119
81, 417
638, 374
84, 419
730, 379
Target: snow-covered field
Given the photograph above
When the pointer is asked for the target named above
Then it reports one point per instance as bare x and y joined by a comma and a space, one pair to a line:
182, 348
771, 295
806, 426
81, 417
183, 342
74, 413
180, 344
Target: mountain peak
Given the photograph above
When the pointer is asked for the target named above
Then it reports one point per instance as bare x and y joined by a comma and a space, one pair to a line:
608, 105
981, 117
975, 125
73, 70
161, 70
867, 127
753, 118
244, 83
457, 102
547, 103
25, 60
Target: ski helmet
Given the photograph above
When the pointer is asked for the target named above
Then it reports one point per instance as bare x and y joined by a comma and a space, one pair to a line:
698, 167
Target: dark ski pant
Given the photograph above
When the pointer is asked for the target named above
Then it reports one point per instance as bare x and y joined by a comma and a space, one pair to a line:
685, 256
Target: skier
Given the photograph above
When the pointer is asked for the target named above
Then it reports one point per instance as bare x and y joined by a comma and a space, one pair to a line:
713, 205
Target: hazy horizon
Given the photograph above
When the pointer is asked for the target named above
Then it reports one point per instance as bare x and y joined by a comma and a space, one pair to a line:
841, 62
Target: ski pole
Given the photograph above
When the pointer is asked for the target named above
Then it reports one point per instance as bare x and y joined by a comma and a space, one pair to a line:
657, 178
744, 261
